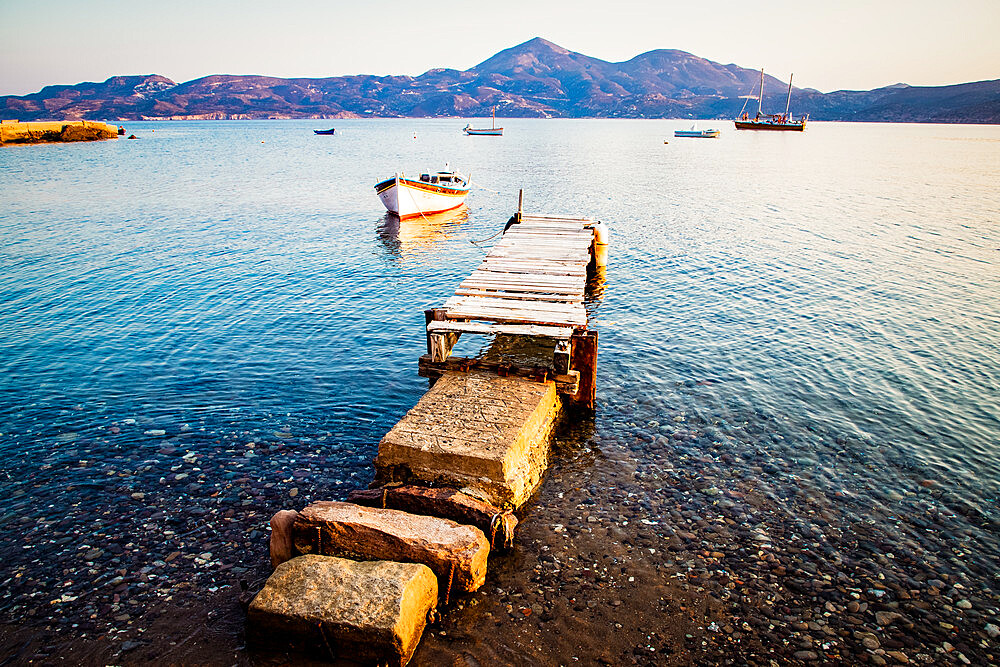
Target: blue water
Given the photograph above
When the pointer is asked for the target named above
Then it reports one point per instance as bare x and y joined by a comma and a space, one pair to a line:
824, 305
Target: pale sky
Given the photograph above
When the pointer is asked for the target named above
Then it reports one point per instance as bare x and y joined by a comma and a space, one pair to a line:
829, 45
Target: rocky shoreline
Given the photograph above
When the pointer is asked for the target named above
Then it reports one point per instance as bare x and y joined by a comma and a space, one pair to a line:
652, 544
14, 132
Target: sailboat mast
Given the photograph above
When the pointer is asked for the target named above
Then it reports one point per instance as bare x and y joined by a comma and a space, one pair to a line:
789, 98
494, 117
760, 99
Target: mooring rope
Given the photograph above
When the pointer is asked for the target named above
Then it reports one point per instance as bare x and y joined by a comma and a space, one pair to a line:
476, 243
490, 190
322, 633
447, 594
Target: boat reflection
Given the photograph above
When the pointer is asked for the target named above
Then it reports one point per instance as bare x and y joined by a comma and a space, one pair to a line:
408, 238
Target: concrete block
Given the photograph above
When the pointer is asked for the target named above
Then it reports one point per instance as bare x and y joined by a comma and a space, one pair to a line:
445, 503
475, 430
368, 612
455, 553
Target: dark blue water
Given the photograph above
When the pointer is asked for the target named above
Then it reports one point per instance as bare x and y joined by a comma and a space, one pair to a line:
823, 309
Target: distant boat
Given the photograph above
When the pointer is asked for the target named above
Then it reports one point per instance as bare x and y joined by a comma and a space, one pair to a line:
770, 121
699, 134
432, 193
493, 131
330, 131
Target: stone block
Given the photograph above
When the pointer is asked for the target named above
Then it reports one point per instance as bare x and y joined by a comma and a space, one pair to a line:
476, 430
368, 612
445, 503
457, 554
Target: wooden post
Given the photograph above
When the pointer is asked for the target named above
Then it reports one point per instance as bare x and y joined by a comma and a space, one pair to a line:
520, 204
583, 351
561, 358
428, 318
439, 345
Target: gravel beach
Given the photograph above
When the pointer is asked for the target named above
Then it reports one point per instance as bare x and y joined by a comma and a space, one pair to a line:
666, 546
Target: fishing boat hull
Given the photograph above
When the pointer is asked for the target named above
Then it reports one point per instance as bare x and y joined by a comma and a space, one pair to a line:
409, 199
494, 132
697, 134
330, 131
795, 126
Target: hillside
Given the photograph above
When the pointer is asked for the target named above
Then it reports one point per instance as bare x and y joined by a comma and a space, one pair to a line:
534, 79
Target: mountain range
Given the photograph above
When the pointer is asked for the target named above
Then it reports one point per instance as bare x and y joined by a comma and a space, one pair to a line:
536, 79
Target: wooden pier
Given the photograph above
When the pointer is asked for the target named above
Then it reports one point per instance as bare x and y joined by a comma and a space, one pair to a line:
531, 283
451, 473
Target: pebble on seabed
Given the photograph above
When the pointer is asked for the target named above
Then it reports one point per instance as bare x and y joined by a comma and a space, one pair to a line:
170, 539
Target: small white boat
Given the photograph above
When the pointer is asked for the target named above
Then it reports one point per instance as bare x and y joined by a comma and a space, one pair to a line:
698, 134
492, 131
431, 193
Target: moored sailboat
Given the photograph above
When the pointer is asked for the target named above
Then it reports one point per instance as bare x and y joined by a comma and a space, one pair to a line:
492, 131
771, 121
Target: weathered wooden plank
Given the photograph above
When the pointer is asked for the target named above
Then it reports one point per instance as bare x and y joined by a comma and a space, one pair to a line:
552, 224
489, 274
493, 302
545, 243
558, 225
509, 329
553, 216
554, 290
518, 315
507, 265
525, 278
527, 296
526, 255
514, 267
565, 384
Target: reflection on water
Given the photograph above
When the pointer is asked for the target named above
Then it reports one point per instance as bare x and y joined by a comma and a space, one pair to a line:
408, 238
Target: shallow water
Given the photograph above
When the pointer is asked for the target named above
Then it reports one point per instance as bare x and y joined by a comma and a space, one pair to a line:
817, 311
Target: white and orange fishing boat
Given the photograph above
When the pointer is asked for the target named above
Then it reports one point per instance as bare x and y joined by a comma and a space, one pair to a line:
431, 193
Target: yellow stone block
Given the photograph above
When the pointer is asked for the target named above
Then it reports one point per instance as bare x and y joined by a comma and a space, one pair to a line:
475, 430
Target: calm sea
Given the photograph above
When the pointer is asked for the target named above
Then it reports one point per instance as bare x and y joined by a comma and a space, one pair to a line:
822, 307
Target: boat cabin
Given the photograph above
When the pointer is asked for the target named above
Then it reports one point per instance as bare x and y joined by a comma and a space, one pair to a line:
443, 177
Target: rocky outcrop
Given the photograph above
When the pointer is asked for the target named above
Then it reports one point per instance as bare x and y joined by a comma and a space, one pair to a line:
56, 131
370, 612
457, 554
